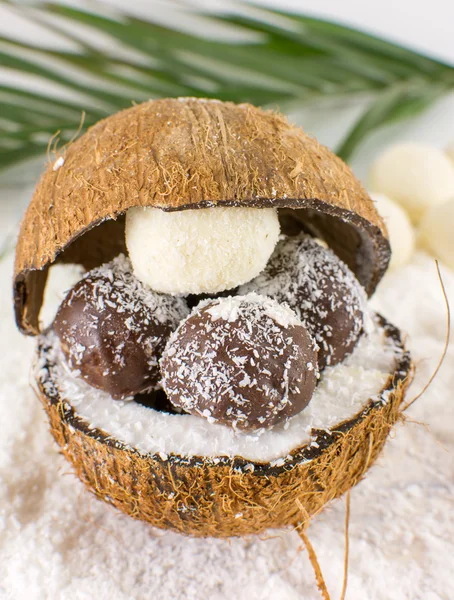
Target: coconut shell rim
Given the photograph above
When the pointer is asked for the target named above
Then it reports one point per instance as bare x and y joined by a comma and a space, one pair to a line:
401, 376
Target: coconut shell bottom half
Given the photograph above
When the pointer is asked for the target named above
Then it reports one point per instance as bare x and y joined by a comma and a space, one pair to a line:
229, 496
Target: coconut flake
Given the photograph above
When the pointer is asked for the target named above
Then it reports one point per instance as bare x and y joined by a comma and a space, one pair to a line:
228, 309
58, 163
200, 251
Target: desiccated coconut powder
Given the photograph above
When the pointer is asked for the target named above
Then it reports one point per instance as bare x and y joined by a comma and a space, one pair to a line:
58, 542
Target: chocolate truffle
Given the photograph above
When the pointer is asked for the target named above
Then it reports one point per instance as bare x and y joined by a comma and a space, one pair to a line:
243, 361
113, 329
322, 291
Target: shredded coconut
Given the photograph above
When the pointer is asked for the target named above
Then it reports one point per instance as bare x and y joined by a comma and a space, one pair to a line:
229, 307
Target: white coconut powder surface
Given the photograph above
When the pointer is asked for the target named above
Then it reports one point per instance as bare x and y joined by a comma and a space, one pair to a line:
58, 542
342, 392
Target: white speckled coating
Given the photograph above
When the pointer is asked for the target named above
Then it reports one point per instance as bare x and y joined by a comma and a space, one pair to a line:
200, 251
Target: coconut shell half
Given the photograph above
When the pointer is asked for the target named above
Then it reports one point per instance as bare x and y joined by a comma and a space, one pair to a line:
180, 154
224, 496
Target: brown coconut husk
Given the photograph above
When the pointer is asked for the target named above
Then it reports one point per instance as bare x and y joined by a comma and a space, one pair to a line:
220, 497
185, 154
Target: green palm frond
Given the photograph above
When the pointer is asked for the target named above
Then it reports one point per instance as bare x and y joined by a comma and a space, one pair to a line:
290, 59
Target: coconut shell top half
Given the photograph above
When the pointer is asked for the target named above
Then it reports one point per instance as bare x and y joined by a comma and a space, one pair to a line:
186, 153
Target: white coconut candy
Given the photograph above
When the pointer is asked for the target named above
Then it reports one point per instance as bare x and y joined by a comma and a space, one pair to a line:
200, 251
400, 230
342, 392
416, 176
436, 232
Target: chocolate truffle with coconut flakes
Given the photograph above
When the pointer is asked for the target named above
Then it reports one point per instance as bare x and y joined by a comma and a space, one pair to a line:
322, 291
113, 329
243, 361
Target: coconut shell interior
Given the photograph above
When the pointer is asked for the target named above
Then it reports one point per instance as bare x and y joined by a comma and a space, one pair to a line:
228, 496
178, 154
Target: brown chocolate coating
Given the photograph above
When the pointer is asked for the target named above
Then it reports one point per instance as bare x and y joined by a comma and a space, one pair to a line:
322, 291
112, 329
245, 362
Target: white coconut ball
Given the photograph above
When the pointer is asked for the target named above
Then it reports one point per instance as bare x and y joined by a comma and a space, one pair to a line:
207, 250
400, 230
414, 175
436, 232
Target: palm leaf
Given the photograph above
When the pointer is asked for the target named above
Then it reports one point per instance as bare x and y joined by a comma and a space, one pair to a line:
396, 103
291, 58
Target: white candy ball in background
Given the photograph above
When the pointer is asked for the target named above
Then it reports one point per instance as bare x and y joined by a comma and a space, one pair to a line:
449, 151
436, 232
400, 229
207, 250
414, 175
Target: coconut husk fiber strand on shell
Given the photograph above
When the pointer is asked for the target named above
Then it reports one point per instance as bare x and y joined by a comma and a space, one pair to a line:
190, 153
227, 497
